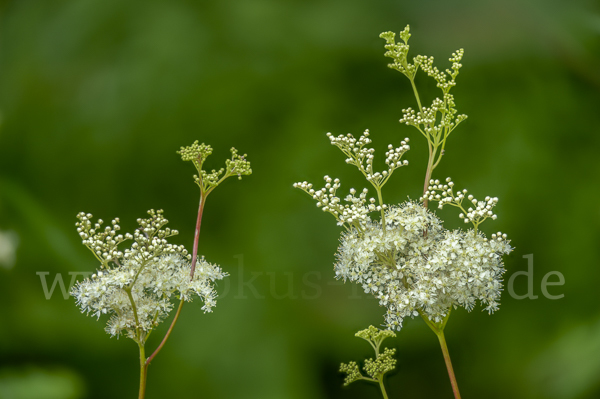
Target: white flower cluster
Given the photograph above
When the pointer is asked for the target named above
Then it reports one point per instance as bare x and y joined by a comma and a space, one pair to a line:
150, 239
362, 157
445, 80
417, 267
426, 118
353, 213
136, 286
444, 194
357, 208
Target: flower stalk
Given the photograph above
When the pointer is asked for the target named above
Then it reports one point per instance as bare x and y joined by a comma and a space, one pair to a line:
192, 270
382, 387
404, 256
453, 382
136, 286
143, 371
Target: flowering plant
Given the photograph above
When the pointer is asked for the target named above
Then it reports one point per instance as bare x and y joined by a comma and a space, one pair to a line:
405, 257
137, 286
375, 368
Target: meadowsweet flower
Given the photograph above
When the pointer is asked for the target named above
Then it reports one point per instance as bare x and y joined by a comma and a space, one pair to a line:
406, 258
136, 286
414, 274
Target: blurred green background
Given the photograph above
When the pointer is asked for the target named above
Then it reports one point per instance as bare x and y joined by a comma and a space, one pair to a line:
96, 97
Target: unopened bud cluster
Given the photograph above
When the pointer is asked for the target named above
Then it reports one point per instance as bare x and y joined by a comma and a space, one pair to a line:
444, 194
362, 157
398, 52
374, 368
237, 165
354, 211
437, 121
150, 240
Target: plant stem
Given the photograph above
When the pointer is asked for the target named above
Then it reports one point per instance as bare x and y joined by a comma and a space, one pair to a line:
143, 371
133, 307
414, 87
383, 392
197, 233
432, 146
193, 268
438, 329
442, 339
380, 198
428, 175
164, 340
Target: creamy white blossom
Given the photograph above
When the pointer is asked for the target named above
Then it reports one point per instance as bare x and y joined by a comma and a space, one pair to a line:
416, 266
136, 287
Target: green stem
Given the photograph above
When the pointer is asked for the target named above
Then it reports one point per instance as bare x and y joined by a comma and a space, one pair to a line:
383, 392
428, 173
412, 82
429, 323
442, 340
380, 198
133, 307
438, 329
143, 371
431, 164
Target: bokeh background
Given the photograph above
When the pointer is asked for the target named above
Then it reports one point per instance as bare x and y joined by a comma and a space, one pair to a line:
96, 97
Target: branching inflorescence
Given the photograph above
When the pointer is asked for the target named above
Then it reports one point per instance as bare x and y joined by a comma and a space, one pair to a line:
137, 286
375, 368
404, 256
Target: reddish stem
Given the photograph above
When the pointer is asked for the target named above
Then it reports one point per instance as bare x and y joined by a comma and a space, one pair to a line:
197, 235
193, 269
449, 365
162, 343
